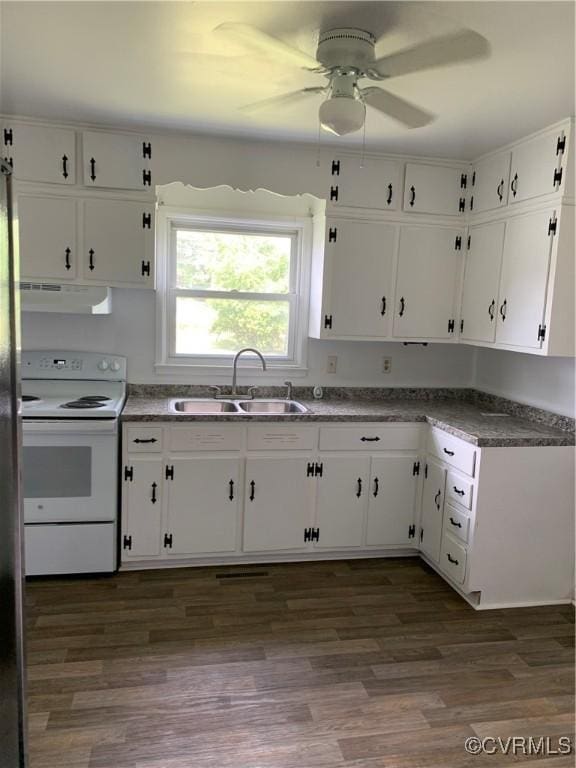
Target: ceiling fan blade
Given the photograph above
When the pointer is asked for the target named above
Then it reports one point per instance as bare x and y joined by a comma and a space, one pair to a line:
396, 108
455, 48
265, 44
293, 97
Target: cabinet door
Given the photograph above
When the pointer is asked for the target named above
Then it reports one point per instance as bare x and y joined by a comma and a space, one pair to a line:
360, 266
432, 509
277, 503
142, 508
47, 233
392, 501
118, 161
40, 154
118, 243
489, 182
342, 500
433, 189
429, 262
524, 280
376, 184
481, 280
534, 167
203, 498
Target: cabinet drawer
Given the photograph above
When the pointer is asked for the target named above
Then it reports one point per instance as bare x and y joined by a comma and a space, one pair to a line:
282, 436
459, 489
453, 559
453, 451
205, 438
143, 439
371, 437
457, 523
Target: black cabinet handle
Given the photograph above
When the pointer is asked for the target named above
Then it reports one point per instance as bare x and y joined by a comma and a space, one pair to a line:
153, 497
458, 491
402, 307
67, 253
447, 452
503, 309
369, 439
231, 492
514, 184
383, 307
389, 198
359, 488
451, 559
437, 499
500, 190
64, 166
455, 523
412, 196
252, 488
376, 487
492, 309
145, 440
91, 259
93, 169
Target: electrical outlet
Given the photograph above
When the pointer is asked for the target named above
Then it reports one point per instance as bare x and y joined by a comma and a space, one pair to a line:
386, 365
332, 364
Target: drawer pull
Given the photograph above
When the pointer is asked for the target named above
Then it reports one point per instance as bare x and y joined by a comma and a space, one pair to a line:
458, 491
231, 493
447, 452
252, 489
145, 440
455, 523
451, 559
376, 487
437, 499
370, 439
359, 489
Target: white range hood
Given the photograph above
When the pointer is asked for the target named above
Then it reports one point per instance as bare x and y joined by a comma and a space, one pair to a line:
67, 299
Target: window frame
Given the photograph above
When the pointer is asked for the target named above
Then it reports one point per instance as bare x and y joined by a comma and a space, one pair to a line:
169, 220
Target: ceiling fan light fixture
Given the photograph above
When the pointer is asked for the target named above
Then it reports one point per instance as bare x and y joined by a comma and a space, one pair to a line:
341, 115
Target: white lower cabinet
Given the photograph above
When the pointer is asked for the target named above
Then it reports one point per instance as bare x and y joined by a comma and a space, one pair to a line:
142, 507
432, 509
392, 500
342, 500
277, 502
203, 495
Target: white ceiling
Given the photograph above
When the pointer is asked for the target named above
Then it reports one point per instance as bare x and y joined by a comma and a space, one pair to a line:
160, 64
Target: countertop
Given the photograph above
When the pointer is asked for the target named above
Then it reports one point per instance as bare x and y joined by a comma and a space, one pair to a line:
462, 419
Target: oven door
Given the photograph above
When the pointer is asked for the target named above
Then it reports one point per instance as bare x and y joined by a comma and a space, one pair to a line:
70, 471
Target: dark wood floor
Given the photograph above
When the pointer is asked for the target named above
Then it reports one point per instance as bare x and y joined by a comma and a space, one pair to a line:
351, 664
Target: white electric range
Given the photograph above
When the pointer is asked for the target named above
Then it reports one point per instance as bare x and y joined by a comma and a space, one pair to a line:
71, 404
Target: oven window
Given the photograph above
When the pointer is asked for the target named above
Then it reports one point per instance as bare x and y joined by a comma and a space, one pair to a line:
51, 472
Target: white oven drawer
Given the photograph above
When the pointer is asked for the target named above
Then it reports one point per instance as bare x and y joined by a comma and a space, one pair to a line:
53, 549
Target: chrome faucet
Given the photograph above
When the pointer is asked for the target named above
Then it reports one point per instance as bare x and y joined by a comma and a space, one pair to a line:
251, 391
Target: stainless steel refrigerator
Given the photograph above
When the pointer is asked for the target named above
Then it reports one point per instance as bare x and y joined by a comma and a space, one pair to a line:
12, 674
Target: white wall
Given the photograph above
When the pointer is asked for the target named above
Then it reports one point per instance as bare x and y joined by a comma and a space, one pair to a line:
540, 381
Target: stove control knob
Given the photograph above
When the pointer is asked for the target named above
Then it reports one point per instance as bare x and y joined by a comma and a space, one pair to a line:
103, 365
114, 365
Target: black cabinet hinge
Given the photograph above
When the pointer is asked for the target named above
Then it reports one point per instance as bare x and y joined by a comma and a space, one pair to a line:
473, 178
147, 178
146, 221
127, 542
146, 268
541, 332
463, 181
451, 325
558, 177
169, 472
552, 223
462, 325
416, 468
332, 234
146, 149
472, 202
421, 534
458, 243
310, 469
426, 472
8, 137
315, 534
561, 145
468, 242
129, 473
318, 470
327, 321
462, 204
167, 541
411, 531
335, 167
334, 193
307, 535
311, 534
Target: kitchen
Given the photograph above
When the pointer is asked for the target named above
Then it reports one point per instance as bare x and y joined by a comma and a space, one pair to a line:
293, 405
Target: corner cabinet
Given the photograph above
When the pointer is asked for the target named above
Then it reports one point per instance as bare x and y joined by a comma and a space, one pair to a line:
435, 189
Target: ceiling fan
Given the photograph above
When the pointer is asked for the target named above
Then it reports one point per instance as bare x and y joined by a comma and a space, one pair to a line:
345, 56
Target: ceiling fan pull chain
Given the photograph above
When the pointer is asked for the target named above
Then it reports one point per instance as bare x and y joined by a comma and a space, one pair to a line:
318, 144
363, 141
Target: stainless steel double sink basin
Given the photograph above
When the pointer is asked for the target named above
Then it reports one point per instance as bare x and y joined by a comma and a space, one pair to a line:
212, 407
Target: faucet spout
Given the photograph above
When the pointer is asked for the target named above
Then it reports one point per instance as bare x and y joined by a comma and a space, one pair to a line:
235, 366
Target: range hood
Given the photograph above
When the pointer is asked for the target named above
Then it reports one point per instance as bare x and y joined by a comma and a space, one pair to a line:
67, 299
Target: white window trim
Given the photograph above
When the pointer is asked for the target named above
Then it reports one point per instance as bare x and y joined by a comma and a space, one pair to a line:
218, 368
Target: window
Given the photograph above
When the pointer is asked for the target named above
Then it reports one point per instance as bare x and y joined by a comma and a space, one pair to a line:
230, 284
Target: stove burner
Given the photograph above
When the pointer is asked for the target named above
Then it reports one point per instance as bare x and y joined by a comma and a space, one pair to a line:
29, 398
82, 404
93, 398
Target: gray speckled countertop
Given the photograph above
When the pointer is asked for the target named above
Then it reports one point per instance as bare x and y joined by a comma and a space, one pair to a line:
456, 416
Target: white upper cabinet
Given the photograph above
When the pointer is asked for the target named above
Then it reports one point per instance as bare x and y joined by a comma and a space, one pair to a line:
435, 189
118, 242
481, 280
117, 161
524, 280
358, 298
47, 234
392, 501
375, 184
40, 154
429, 261
489, 183
537, 166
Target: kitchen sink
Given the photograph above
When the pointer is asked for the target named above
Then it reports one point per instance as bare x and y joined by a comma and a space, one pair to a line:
204, 407
272, 407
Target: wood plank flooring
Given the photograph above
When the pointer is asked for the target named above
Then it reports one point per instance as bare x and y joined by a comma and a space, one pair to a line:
348, 664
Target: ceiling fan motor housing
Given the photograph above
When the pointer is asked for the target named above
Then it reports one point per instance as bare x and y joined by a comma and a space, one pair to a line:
346, 47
